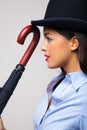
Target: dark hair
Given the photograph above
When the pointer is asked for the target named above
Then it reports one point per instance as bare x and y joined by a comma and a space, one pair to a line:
82, 49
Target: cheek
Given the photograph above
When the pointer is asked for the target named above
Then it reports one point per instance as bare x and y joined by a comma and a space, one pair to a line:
61, 50
61, 55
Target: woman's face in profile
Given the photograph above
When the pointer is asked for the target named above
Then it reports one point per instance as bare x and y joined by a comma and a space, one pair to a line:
57, 49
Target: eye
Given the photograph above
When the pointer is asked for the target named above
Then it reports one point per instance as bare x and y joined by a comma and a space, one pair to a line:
49, 39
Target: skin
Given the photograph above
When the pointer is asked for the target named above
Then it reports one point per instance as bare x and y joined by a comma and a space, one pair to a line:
60, 51
1, 124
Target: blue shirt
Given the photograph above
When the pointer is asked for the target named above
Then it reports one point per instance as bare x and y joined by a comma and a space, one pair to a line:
68, 109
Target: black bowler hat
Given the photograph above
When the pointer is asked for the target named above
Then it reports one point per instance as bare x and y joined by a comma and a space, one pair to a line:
65, 14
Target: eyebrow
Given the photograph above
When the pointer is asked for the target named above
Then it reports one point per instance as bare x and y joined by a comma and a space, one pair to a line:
46, 33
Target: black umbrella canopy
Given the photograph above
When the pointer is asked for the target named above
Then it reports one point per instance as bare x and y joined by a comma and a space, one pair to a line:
8, 88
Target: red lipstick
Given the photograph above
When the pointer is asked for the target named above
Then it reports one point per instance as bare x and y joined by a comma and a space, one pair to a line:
47, 57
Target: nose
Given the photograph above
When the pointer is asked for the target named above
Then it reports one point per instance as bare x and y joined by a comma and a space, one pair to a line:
43, 46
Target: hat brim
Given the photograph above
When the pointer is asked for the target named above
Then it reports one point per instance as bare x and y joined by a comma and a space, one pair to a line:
63, 23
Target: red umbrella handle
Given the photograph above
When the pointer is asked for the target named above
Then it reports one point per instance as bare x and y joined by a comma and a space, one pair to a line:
21, 38
7, 90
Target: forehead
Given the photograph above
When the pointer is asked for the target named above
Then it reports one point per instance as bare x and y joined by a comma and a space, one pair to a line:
52, 33
47, 30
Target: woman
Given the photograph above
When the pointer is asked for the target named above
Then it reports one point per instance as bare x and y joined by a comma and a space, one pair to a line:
64, 106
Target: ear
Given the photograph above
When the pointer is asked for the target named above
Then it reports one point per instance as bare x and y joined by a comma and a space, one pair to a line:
74, 43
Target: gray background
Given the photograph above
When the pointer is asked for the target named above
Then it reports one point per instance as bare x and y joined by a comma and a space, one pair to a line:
15, 15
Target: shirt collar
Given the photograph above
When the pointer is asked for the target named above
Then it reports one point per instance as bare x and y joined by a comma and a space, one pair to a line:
77, 79
71, 83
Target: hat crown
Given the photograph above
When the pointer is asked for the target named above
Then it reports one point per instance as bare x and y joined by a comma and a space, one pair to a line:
67, 9
65, 14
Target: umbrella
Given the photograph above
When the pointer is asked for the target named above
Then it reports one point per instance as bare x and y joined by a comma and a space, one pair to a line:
8, 88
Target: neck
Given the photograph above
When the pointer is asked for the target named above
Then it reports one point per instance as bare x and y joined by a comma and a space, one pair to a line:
73, 66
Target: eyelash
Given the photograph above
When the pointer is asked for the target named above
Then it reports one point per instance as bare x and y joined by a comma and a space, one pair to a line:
48, 39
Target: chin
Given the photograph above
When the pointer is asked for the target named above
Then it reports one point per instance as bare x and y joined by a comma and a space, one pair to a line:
52, 67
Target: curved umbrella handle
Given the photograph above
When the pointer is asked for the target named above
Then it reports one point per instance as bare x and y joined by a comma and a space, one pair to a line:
21, 38
8, 88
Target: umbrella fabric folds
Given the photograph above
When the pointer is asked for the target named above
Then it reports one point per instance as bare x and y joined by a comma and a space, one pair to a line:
7, 90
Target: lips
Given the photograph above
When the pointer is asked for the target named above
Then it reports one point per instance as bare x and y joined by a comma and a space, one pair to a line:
47, 57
